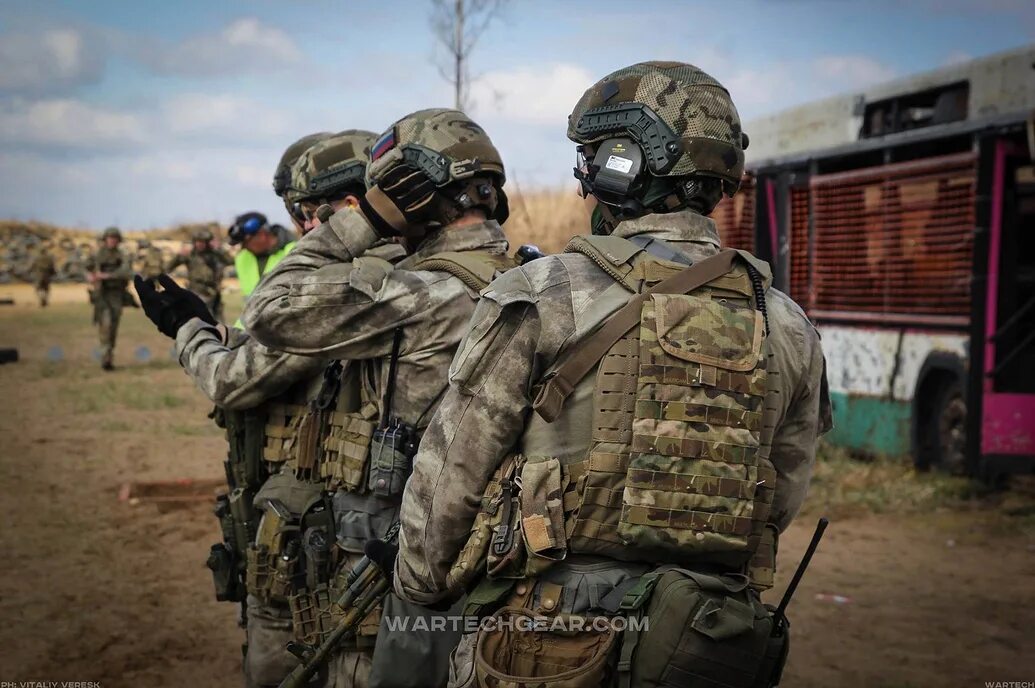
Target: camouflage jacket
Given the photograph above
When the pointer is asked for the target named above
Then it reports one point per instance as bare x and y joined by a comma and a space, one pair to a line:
237, 372
43, 267
234, 370
151, 264
523, 322
204, 270
323, 300
116, 263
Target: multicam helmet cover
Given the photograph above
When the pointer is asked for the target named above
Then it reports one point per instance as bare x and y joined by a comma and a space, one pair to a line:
331, 165
682, 118
445, 144
282, 175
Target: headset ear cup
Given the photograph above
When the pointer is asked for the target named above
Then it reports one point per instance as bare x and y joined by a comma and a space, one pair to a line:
502, 211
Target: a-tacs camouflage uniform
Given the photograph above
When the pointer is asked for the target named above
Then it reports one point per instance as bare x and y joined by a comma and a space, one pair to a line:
666, 453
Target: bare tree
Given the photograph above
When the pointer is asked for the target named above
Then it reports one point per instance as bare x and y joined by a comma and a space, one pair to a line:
458, 24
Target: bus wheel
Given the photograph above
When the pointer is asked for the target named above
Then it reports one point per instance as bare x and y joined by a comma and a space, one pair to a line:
948, 427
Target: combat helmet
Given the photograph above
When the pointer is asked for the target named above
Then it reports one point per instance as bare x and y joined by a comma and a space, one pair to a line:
454, 152
655, 136
203, 234
282, 175
331, 167
111, 232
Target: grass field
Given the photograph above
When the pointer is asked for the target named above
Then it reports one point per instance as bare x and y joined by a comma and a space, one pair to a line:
937, 576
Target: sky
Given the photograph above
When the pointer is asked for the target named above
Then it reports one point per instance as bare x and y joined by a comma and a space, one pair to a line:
146, 114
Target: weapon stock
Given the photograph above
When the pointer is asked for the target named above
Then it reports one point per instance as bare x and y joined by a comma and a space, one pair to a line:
367, 585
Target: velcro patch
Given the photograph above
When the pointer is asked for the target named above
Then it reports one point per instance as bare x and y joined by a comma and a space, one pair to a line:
383, 144
537, 533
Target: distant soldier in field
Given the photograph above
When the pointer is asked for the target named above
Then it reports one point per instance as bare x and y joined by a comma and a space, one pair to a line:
43, 270
205, 264
150, 256
109, 270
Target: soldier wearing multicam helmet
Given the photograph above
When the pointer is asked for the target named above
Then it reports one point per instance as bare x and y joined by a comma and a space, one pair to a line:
205, 264
639, 413
108, 271
282, 175
435, 184
330, 172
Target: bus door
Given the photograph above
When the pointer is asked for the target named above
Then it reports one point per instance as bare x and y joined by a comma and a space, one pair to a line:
1007, 440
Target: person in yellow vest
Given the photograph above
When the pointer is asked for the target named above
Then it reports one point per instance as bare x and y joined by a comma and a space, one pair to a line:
262, 246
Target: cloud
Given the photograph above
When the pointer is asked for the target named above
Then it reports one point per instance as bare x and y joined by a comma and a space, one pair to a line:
50, 61
68, 123
245, 45
223, 117
535, 95
852, 71
957, 57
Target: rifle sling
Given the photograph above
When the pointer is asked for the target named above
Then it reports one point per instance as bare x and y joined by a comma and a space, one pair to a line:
558, 385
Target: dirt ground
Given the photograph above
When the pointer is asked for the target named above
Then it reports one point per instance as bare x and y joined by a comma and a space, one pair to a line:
96, 589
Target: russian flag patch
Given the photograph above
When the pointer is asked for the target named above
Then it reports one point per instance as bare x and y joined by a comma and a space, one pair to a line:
383, 144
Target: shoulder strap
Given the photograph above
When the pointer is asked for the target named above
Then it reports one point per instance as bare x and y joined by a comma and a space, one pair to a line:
560, 383
474, 268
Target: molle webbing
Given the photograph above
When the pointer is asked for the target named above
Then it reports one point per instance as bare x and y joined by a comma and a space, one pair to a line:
561, 382
476, 269
281, 423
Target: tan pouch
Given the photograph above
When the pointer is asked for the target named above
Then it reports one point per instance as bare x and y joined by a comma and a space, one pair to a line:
542, 513
515, 647
470, 563
347, 449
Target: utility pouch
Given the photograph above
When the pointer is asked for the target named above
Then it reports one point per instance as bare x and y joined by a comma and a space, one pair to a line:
542, 514
392, 449
225, 573
776, 651
514, 647
470, 563
704, 630
346, 449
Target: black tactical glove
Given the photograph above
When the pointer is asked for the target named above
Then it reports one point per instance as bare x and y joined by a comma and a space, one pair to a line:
172, 308
383, 555
402, 200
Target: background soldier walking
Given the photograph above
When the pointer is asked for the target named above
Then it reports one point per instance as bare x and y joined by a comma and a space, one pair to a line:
109, 271
205, 264
43, 270
150, 257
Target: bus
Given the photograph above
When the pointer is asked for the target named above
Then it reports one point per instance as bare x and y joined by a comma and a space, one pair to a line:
902, 220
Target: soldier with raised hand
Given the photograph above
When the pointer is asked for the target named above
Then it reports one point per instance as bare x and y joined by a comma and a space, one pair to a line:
43, 271
435, 184
109, 271
205, 264
261, 395
637, 414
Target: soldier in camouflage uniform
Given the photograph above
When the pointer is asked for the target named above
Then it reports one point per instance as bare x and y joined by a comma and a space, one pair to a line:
205, 264
43, 270
436, 180
556, 454
150, 257
108, 271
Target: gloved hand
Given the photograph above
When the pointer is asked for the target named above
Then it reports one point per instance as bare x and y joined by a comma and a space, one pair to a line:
383, 555
172, 308
401, 200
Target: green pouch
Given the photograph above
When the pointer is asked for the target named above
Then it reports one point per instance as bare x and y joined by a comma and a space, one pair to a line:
706, 630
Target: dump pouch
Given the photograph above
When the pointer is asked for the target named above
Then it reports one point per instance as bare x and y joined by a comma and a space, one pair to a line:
514, 647
706, 630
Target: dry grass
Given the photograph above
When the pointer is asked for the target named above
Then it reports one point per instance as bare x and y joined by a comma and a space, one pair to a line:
547, 218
